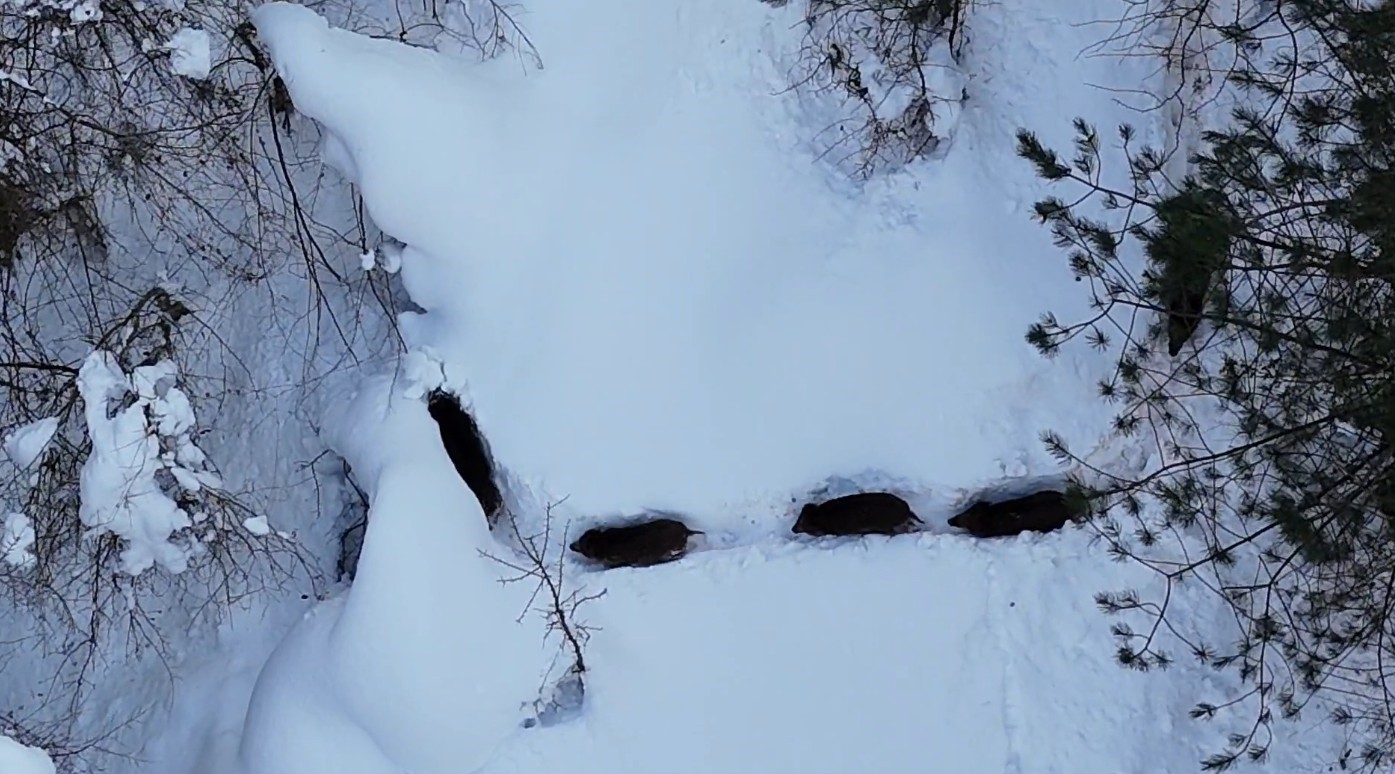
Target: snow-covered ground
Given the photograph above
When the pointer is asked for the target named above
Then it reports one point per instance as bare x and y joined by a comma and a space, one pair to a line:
16, 758
656, 291
654, 294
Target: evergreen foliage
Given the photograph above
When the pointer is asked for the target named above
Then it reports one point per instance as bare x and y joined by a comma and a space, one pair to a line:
1251, 306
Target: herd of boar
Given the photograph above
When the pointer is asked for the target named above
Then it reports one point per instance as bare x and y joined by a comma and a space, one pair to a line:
866, 513
665, 539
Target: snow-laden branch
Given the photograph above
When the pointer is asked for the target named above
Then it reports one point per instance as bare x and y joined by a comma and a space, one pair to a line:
140, 425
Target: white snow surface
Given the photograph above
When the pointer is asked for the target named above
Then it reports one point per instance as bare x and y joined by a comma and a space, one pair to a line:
16, 758
653, 292
423, 666
16, 540
24, 445
190, 53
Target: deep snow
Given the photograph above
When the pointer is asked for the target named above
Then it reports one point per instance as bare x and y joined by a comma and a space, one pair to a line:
929, 652
425, 658
16, 758
655, 296
637, 267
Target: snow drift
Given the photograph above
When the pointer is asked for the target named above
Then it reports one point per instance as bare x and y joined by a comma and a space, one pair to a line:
423, 666
654, 294
16, 758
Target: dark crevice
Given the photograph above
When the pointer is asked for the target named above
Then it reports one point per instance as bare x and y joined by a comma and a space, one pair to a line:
354, 518
467, 450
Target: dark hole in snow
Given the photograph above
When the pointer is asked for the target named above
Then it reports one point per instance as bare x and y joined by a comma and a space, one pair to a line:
863, 513
355, 517
350, 547
1042, 511
639, 544
466, 449
562, 703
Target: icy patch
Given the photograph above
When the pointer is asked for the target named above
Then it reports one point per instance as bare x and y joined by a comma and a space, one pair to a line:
16, 758
190, 53
24, 445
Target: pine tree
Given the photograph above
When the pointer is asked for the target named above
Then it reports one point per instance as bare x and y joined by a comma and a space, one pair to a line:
1267, 276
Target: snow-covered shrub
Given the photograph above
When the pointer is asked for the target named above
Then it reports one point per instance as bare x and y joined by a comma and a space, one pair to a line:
896, 65
113, 486
154, 207
117, 105
142, 457
123, 159
111, 516
538, 560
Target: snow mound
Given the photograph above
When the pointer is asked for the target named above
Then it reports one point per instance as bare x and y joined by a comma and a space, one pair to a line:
423, 665
190, 53
652, 292
24, 444
15, 758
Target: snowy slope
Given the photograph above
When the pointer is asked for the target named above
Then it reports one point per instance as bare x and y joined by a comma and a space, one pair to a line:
654, 291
